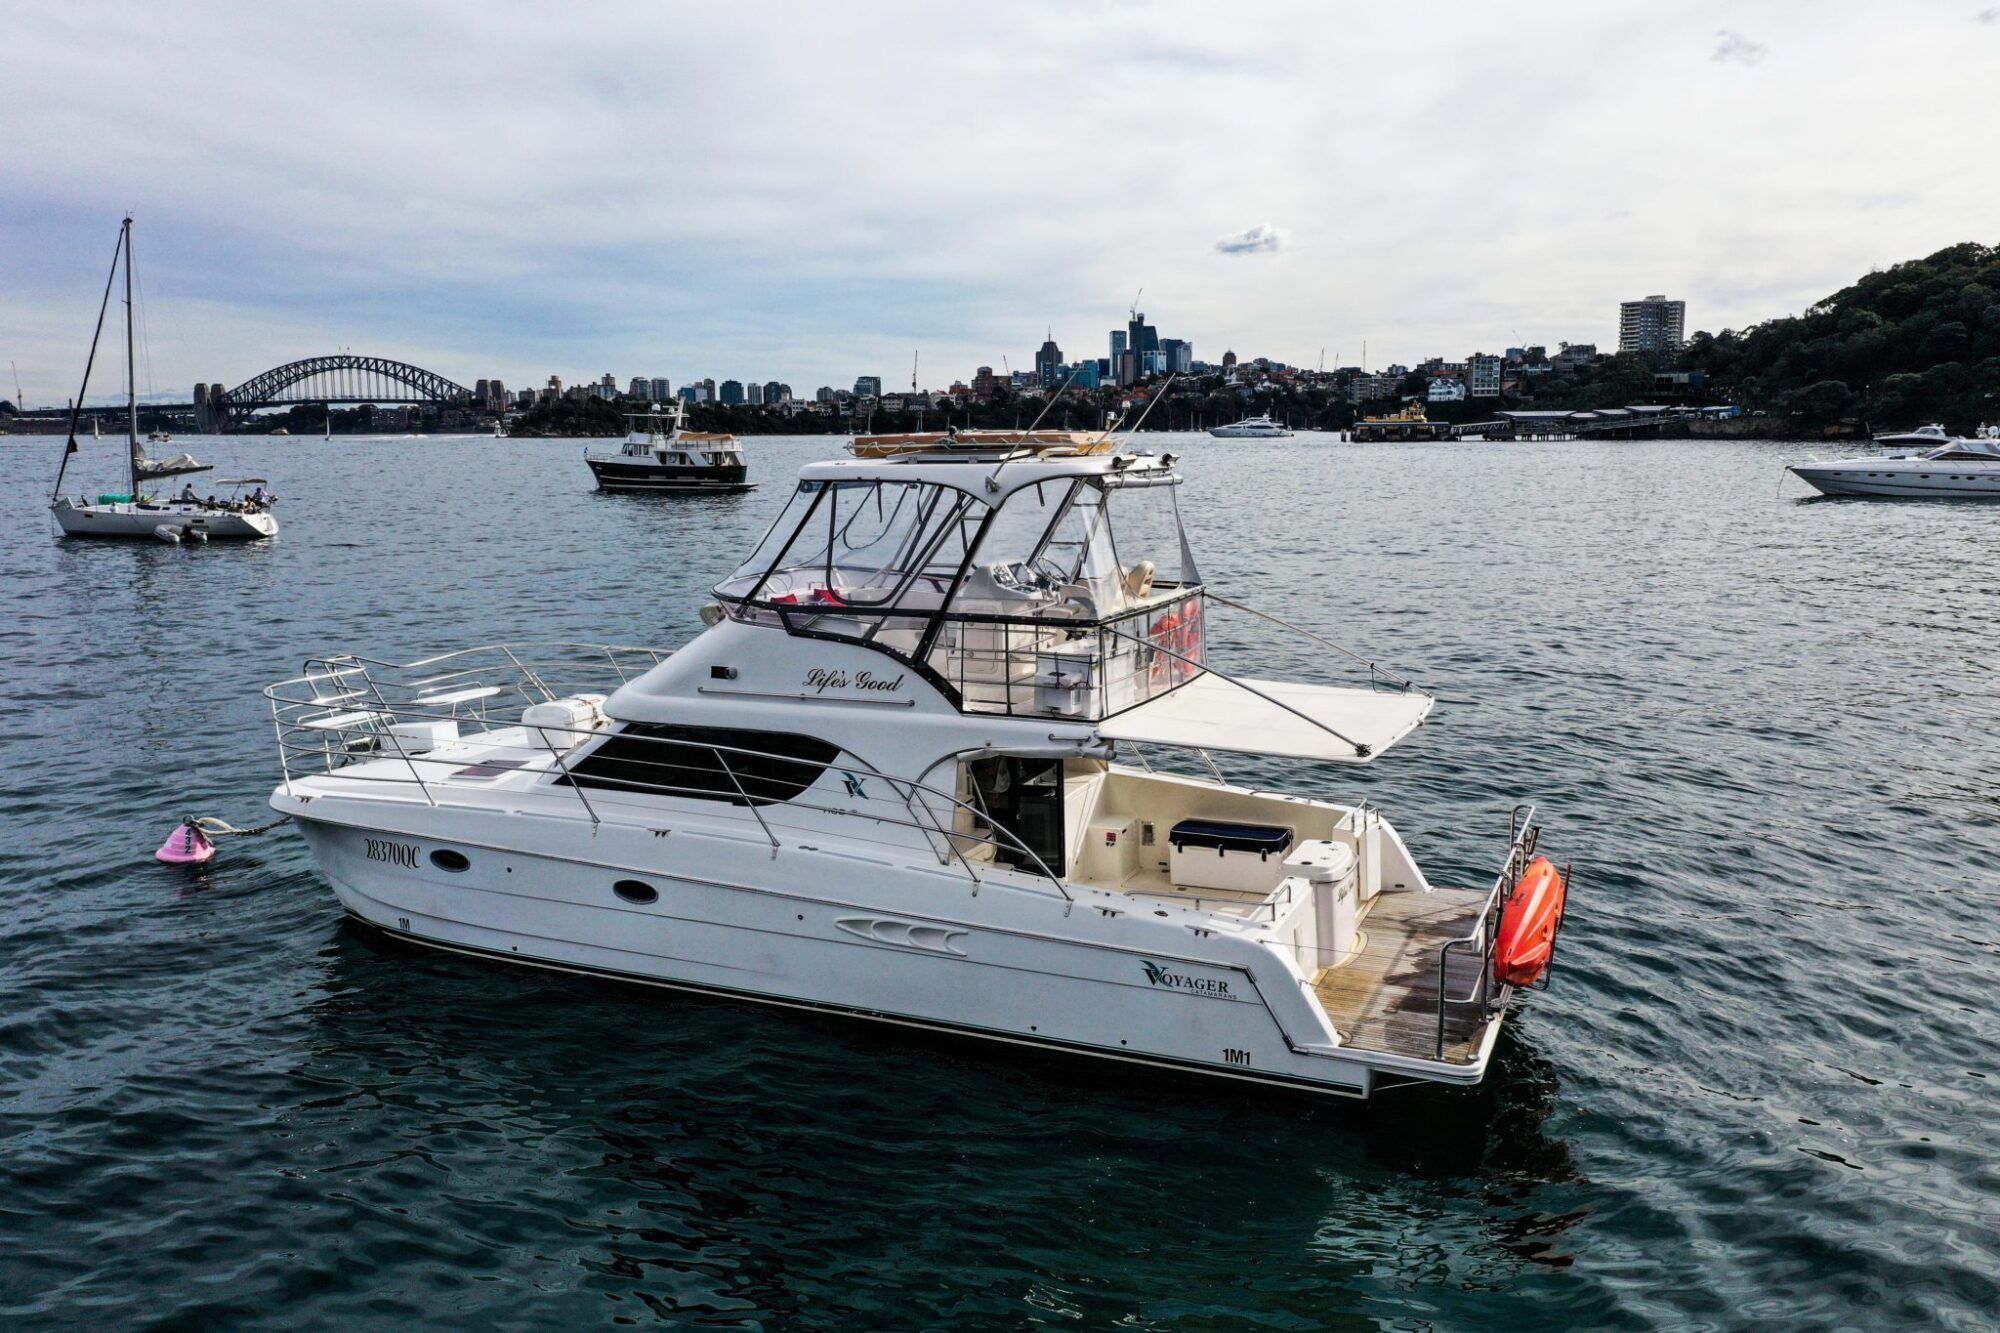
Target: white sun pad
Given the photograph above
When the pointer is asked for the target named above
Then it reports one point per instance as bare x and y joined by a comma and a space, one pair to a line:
1211, 713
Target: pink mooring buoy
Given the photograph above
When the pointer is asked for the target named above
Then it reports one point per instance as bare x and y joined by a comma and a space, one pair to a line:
185, 846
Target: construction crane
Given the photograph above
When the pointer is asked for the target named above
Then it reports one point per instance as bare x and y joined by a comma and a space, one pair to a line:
914, 357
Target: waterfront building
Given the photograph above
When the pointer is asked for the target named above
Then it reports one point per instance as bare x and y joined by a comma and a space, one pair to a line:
731, 393
690, 393
525, 399
607, 387
1048, 363
868, 386
1654, 326
753, 394
985, 384
1177, 355
823, 394
1229, 360
554, 391
659, 390
1574, 356
1445, 389
641, 387
1085, 373
774, 392
1117, 345
1482, 376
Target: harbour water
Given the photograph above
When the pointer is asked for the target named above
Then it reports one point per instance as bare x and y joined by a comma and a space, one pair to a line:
1760, 1089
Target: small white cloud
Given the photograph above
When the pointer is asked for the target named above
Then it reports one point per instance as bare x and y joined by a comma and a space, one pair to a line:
1991, 14
1733, 48
1260, 239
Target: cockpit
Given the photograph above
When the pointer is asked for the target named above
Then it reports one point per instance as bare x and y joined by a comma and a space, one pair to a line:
1057, 587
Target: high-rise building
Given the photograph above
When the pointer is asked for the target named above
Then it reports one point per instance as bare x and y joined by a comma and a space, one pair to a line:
1117, 345
1083, 375
1178, 355
1229, 360
659, 390
641, 387
985, 384
868, 386
823, 394
730, 394
753, 393
774, 392
1048, 363
1654, 326
1482, 376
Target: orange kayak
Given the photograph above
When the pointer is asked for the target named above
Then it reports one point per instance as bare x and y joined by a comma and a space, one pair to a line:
1528, 925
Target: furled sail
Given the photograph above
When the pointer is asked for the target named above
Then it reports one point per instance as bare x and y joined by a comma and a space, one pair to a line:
152, 469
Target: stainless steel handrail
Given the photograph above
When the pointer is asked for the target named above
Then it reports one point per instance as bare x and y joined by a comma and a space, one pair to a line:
292, 719
1522, 834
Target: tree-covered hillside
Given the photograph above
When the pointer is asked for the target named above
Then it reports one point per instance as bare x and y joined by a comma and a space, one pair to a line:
1918, 342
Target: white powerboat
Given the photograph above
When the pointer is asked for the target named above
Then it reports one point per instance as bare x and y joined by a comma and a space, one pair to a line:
904, 775
658, 455
1251, 428
1960, 469
134, 514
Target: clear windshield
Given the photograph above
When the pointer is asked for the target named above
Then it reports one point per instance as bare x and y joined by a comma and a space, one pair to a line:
870, 543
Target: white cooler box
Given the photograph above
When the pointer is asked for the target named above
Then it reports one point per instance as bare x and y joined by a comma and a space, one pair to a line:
562, 723
1214, 854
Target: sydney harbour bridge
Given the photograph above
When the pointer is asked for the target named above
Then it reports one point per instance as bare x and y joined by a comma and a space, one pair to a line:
340, 378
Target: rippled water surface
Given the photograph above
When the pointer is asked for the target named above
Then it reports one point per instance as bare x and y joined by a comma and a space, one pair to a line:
1760, 1089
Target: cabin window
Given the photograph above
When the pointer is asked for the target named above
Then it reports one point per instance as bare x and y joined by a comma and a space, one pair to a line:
704, 763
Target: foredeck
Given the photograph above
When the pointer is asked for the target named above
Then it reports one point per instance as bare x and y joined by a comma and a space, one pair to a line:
1385, 999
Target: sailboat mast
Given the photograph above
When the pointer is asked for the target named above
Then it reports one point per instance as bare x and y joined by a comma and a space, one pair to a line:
96, 335
131, 372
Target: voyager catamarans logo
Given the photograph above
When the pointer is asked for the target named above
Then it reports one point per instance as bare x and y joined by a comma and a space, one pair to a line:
1209, 987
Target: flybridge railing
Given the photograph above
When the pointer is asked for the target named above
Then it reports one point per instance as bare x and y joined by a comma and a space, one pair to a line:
349, 710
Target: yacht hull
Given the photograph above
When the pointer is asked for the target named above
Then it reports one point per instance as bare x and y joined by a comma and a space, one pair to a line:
852, 934
618, 474
1904, 479
143, 521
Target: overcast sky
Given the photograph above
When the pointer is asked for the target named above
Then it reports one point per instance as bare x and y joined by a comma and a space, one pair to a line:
808, 192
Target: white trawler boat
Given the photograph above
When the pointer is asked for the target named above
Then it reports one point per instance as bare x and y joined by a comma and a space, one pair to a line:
902, 775
660, 456
135, 514
1251, 428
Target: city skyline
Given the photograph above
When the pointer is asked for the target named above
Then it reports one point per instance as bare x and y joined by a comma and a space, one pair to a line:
516, 232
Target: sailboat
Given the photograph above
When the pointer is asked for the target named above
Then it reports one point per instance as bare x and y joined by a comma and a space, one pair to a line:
136, 514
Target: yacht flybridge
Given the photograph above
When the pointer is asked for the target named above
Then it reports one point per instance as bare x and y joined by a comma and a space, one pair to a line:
918, 769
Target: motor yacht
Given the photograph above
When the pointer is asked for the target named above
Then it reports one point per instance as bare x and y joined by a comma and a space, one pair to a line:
1959, 469
1913, 441
943, 756
658, 455
1251, 428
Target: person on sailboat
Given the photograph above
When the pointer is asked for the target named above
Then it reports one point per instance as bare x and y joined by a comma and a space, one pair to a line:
261, 497
187, 494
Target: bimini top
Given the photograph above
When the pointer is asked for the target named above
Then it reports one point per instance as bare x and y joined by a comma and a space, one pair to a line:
1283, 719
995, 474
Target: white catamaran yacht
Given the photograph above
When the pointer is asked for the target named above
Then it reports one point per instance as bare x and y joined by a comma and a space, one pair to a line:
659, 456
908, 773
134, 513
1251, 428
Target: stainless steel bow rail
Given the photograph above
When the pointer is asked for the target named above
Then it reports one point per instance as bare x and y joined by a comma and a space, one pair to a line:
345, 710
1522, 835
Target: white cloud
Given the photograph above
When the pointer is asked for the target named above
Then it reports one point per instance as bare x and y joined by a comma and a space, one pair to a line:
1991, 14
1259, 240
485, 190
1733, 48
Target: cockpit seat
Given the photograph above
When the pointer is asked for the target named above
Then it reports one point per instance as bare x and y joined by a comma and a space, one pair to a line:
1139, 580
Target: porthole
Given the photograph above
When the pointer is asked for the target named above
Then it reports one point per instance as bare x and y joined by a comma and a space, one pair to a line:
636, 891
444, 858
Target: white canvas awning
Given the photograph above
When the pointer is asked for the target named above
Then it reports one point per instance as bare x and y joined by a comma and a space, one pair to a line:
1274, 717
